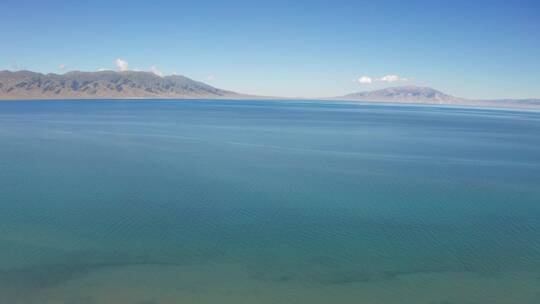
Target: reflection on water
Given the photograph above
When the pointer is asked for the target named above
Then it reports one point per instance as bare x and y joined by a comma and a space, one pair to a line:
267, 202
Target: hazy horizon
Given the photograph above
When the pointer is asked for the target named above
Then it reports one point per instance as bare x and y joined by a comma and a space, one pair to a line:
383, 89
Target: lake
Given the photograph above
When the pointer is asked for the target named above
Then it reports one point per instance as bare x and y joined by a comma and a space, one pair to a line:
204, 201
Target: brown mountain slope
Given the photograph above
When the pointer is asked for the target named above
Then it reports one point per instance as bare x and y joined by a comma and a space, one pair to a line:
104, 84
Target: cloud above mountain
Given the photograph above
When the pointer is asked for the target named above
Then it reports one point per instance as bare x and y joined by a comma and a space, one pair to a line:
390, 78
365, 80
384, 79
156, 71
121, 64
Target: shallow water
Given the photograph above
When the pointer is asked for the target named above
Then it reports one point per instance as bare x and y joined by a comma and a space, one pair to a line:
157, 202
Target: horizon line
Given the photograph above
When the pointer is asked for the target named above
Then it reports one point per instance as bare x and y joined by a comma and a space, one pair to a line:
342, 97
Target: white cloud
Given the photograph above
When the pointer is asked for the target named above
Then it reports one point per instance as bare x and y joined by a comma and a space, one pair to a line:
103, 69
155, 70
210, 77
61, 66
365, 80
121, 64
387, 78
391, 78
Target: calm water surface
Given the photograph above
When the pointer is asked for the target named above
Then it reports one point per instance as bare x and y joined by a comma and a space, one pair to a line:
161, 202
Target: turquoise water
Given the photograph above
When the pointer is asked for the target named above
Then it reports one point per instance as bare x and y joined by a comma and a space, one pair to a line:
157, 202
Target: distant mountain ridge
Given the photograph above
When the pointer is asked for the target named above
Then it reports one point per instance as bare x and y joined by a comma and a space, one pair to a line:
147, 85
104, 84
427, 95
405, 94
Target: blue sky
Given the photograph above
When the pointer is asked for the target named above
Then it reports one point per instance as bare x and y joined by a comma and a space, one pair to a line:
475, 49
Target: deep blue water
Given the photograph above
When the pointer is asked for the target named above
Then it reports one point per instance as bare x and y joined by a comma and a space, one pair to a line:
267, 202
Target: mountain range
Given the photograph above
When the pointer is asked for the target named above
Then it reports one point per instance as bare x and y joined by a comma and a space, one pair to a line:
104, 84
147, 85
412, 94
426, 95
